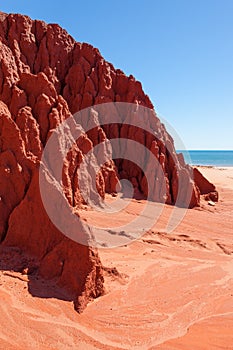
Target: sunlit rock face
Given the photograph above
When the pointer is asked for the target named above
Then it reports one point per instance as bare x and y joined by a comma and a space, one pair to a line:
45, 77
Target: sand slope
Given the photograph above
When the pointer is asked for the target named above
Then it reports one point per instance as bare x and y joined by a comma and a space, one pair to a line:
167, 292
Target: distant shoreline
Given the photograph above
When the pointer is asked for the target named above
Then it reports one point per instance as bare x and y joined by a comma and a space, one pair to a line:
208, 158
219, 167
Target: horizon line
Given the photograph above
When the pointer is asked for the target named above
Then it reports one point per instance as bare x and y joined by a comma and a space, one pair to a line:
206, 150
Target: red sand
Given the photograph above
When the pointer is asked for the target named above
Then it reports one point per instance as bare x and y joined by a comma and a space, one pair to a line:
172, 292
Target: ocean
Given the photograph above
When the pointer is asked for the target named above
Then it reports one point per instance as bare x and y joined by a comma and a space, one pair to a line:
209, 158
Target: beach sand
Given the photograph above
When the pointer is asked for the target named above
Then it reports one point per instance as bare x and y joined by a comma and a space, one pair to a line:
164, 291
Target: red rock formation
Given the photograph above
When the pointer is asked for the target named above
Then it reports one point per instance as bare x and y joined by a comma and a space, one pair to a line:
206, 188
44, 77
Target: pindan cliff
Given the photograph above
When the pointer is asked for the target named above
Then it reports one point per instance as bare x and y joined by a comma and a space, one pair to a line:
45, 76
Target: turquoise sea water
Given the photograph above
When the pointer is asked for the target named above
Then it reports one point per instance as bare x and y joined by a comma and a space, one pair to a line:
212, 158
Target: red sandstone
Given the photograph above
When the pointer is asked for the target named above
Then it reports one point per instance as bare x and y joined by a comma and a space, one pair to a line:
46, 76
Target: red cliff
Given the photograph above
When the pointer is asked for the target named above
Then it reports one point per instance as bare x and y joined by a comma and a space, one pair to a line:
45, 77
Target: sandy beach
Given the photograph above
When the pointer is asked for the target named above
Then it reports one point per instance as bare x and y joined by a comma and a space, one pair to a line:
163, 291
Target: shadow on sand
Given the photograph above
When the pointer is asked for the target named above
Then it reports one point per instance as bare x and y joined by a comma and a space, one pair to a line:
15, 264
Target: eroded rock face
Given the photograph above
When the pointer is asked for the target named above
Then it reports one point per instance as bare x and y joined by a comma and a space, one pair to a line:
206, 188
45, 77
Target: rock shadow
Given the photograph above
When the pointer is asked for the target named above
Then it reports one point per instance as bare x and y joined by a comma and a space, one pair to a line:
15, 264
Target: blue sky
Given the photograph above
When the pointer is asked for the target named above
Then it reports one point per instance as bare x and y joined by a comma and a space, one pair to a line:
181, 51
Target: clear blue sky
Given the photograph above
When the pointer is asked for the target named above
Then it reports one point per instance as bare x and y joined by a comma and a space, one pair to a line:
181, 51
